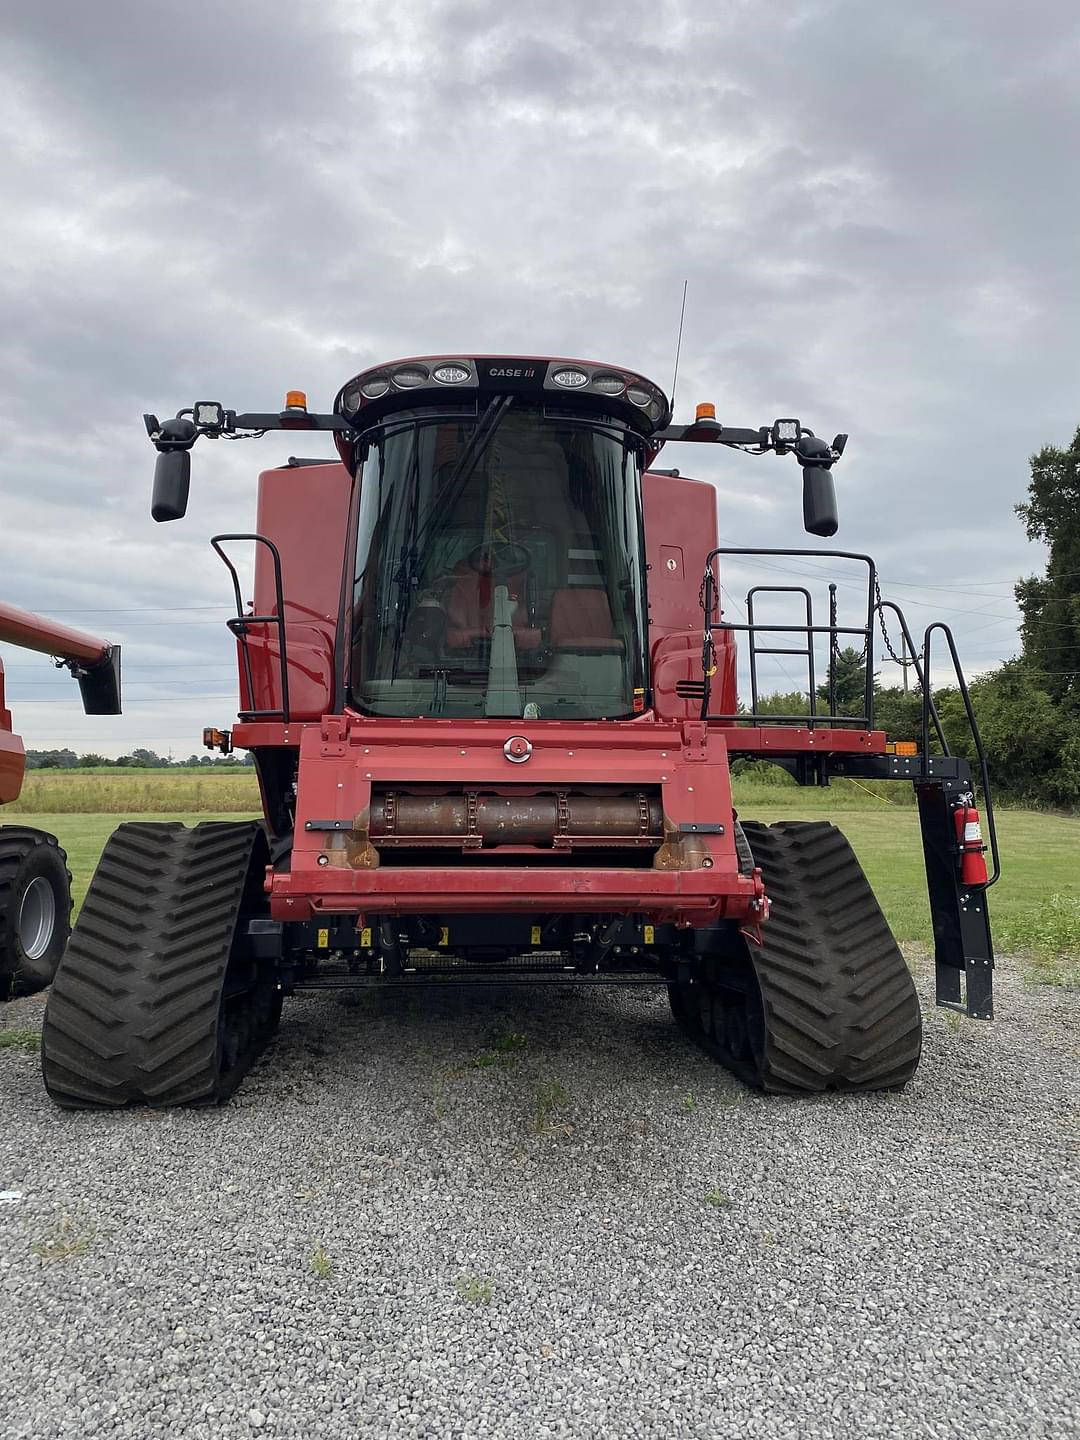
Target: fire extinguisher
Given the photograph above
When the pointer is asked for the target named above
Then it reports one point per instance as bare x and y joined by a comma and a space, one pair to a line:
970, 842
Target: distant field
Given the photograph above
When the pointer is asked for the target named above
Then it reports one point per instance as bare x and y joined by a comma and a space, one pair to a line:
127, 792
1041, 853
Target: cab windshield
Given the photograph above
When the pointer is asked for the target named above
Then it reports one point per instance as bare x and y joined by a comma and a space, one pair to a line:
499, 567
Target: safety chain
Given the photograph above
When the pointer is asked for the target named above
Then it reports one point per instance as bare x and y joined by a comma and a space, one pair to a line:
884, 632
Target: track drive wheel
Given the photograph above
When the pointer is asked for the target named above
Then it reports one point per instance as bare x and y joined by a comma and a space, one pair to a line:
158, 1000
827, 1001
35, 909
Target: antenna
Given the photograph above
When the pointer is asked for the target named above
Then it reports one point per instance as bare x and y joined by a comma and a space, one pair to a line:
678, 344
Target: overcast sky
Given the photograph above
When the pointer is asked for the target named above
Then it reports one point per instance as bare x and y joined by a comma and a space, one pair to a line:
875, 205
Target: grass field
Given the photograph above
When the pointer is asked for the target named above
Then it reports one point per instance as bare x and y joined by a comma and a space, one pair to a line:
1036, 905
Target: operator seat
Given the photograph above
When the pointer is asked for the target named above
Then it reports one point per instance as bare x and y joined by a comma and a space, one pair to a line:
581, 621
470, 609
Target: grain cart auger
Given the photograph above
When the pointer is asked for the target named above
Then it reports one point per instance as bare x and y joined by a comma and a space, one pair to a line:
35, 887
492, 707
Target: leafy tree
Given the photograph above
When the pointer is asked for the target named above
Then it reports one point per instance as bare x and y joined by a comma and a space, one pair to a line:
51, 759
147, 759
1050, 604
791, 702
898, 712
1032, 744
850, 683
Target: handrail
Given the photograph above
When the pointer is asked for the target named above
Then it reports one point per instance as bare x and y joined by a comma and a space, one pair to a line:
239, 625
709, 594
920, 676
988, 803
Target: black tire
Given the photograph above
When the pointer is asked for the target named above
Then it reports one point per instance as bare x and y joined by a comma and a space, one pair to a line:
35, 909
158, 999
827, 1001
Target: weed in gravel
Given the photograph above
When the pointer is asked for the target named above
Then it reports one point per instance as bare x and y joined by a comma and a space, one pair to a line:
473, 1289
511, 1043
734, 1096
29, 1041
550, 1096
321, 1262
689, 1104
505, 1051
63, 1242
953, 1021
719, 1199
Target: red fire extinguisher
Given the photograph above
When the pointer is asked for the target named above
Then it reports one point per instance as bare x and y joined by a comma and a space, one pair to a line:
969, 839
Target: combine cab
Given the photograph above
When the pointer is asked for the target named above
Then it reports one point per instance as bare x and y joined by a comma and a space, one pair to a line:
491, 700
35, 887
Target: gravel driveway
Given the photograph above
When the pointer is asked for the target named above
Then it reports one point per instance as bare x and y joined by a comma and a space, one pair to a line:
530, 1213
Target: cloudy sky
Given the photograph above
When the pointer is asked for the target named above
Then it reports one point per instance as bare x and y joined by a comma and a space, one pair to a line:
875, 206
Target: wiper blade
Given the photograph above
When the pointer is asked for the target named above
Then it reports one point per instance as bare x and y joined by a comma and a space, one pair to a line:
467, 461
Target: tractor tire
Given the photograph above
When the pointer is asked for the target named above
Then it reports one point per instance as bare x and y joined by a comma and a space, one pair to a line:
158, 1000
35, 909
826, 1002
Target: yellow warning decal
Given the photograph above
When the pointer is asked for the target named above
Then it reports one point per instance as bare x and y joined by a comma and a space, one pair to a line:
534, 935
649, 933
324, 940
444, 935
365, 937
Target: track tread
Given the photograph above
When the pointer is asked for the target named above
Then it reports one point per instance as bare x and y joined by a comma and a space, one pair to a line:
863, 1031
133, 1014
836, 1007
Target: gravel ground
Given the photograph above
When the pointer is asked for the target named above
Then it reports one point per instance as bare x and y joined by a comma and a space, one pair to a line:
400, 1228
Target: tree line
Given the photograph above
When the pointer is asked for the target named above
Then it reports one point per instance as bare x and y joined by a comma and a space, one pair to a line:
139, 759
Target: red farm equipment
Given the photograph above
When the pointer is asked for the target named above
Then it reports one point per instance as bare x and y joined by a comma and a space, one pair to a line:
491, 701
35, 887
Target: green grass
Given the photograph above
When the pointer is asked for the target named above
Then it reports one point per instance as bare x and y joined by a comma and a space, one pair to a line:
1040, 858
25, 1040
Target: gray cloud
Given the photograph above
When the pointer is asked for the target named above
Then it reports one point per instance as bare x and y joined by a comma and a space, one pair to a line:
872, 205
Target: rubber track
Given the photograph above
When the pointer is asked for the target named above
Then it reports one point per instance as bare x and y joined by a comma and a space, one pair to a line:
133, 1013
841, 1010
16, 842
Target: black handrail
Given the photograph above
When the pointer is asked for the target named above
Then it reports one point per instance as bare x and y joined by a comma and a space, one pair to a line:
920, 676
709, 593
239, 625
988, 803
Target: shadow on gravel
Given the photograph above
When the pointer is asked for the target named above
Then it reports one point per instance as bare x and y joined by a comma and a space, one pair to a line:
617, 1039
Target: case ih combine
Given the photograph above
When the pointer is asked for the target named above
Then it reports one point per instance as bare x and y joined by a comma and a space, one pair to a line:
35, 887
491, 700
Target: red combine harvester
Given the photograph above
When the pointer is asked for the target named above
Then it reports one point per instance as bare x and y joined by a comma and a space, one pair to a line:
35, 887
492, 705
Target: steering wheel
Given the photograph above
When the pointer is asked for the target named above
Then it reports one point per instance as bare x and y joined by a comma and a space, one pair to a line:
499, 559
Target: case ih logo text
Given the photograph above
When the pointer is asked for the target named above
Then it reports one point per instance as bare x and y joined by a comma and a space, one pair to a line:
504, 372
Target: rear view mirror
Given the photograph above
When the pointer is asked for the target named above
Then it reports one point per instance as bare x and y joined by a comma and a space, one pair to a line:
172, 480
819, 501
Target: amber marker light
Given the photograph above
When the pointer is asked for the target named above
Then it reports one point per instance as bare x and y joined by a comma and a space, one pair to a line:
705, 411
295, 400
